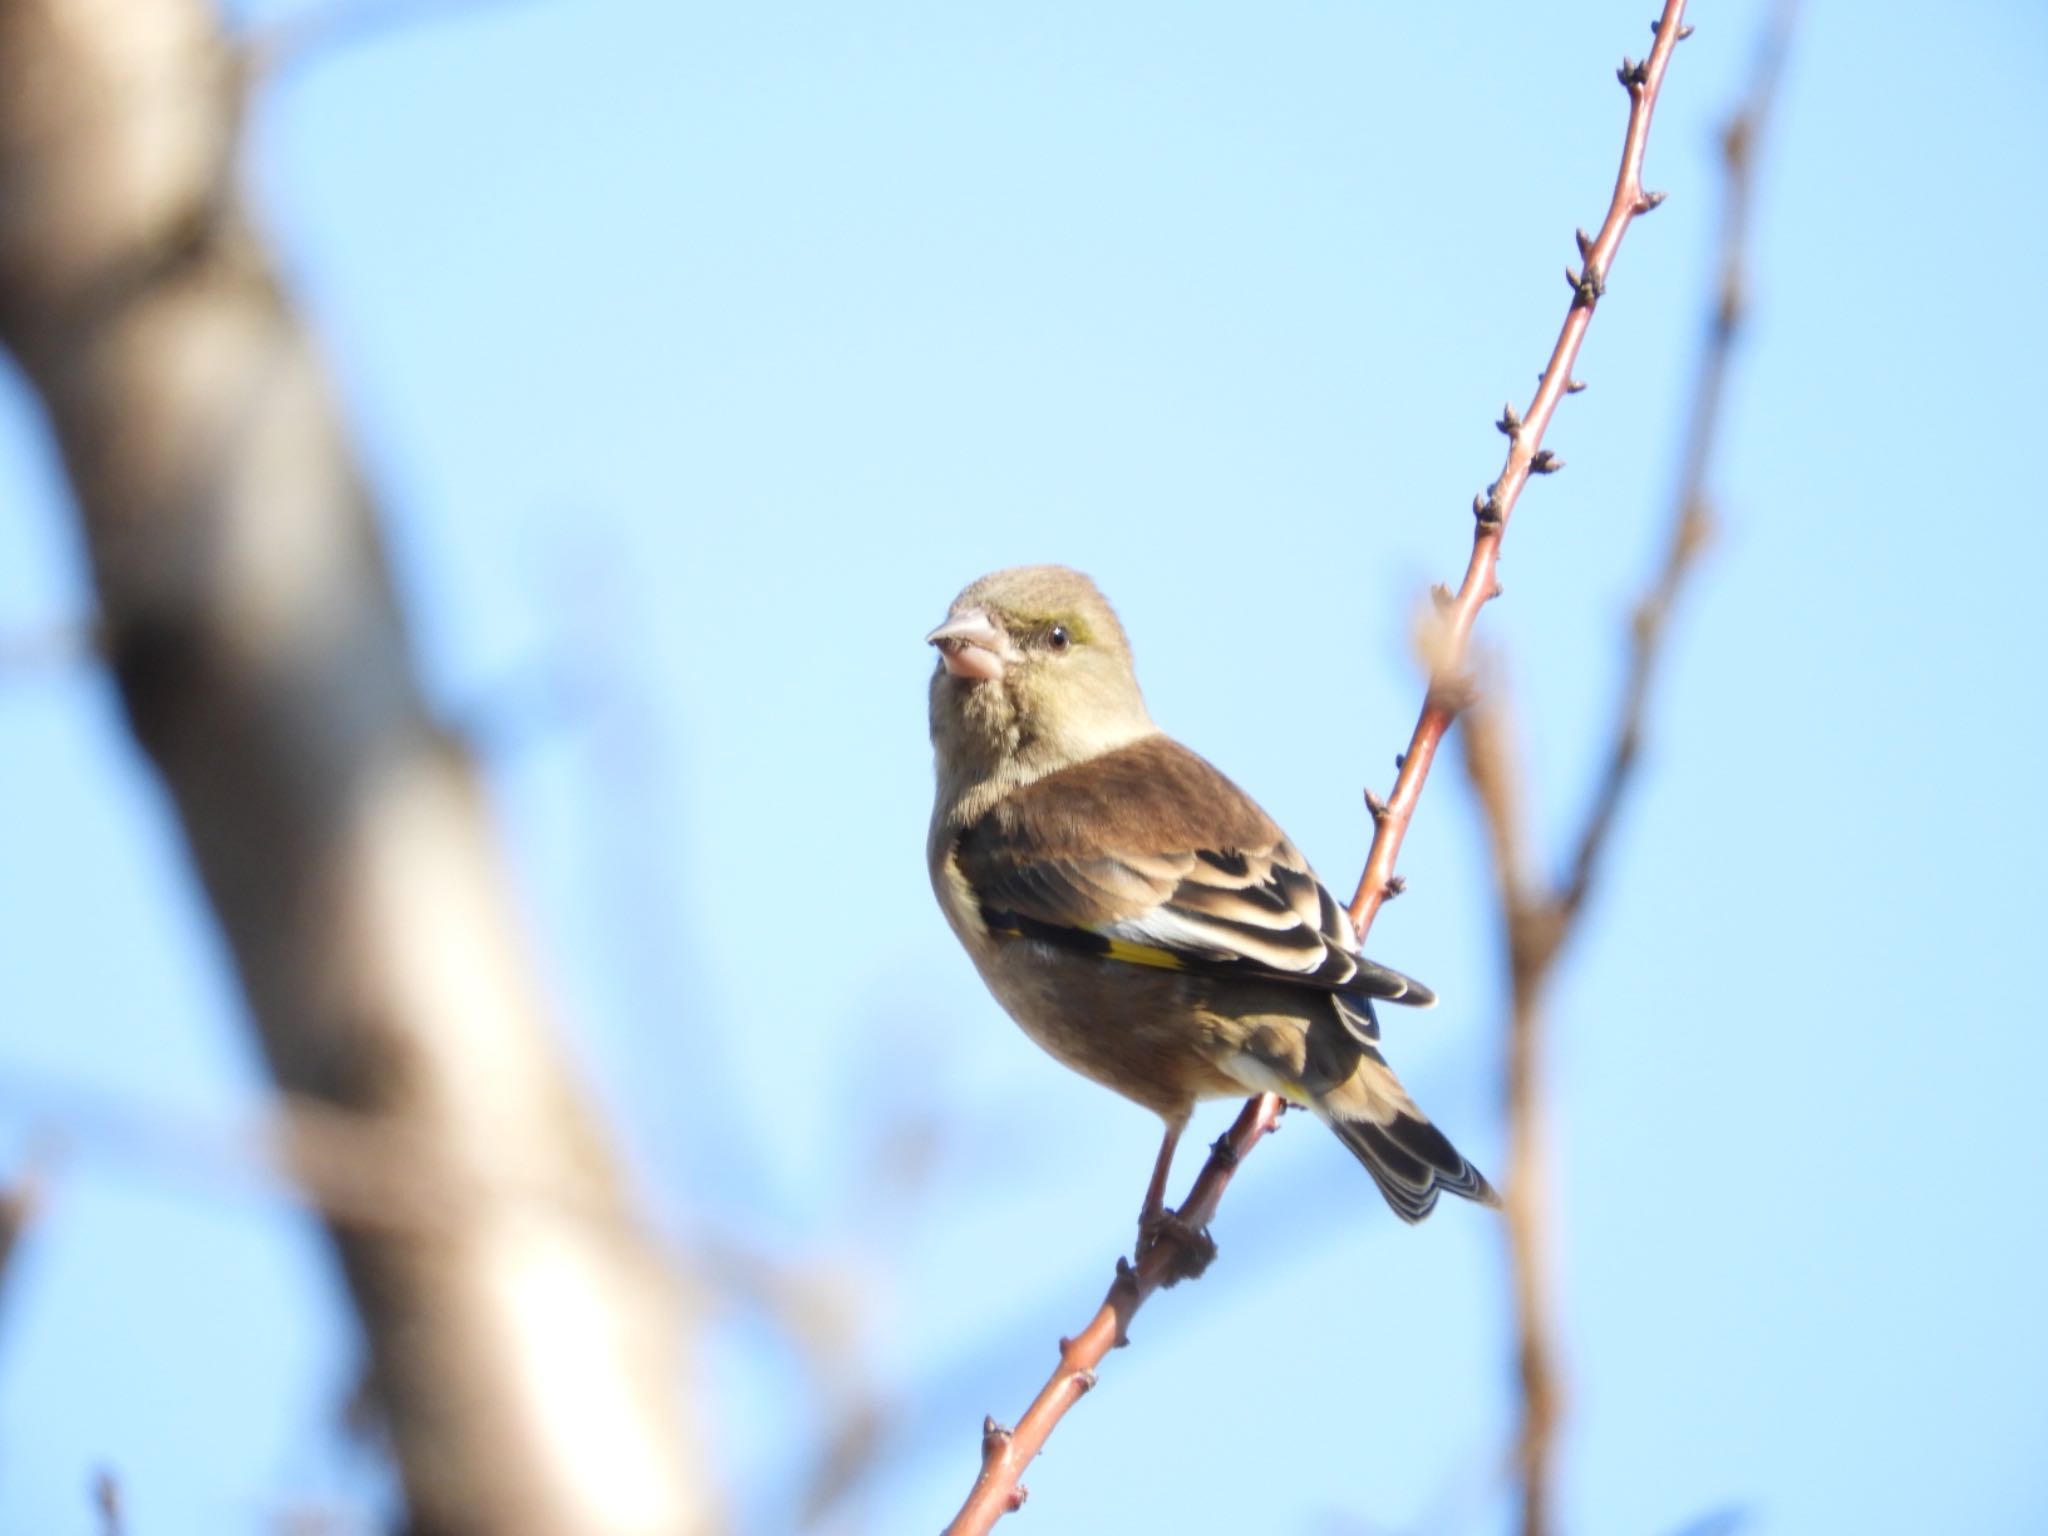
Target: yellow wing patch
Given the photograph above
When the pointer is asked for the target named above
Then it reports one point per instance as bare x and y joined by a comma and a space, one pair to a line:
1005, 925
1145, 954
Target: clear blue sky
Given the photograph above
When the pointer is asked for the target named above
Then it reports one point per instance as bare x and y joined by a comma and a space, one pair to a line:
700, 354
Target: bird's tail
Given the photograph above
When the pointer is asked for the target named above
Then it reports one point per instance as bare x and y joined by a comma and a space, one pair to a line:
1388, 984
1409, 1158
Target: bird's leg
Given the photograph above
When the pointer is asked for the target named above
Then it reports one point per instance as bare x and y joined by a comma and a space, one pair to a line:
1193, 1247
1155, 1192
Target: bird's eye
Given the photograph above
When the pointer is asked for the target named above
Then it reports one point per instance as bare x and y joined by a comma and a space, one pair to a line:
1058, 638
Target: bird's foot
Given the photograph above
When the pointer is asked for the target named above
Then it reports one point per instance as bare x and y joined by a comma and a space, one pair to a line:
1193, 1250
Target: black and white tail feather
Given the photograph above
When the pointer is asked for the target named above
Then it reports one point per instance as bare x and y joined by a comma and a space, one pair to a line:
1408, 1157
1411, 1161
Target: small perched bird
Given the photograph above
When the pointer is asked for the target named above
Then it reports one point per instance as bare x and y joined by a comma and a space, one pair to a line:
1134, 911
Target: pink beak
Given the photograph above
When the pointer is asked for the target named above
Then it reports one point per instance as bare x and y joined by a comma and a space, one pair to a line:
971, 647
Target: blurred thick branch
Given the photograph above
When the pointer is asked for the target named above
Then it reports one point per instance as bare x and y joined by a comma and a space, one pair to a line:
530, 1370
998, 1488
1538, 919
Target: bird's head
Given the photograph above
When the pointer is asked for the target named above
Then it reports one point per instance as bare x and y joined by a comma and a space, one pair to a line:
1034, 673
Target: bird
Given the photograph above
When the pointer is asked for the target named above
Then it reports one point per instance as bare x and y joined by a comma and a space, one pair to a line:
1138, 914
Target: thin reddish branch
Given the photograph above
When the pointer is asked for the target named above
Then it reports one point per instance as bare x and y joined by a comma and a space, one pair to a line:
1005, 1453
1494, 506
998, 1488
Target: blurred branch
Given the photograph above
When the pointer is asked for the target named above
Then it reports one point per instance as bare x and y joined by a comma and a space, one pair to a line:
1533, 926
373, 1173
1536, 920
18, 1203
106, 1501
998, 1488
52, 648
1692, 517
366, 1174
528, 1372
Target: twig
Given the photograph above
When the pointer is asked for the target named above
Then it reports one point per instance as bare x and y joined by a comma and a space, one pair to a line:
106, 1501
1526, 456
1005, 1453
364, 1175
50, 648
353, 1170
1537, 922
17, 1207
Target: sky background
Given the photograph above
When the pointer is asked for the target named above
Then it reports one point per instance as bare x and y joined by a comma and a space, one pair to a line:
700, 354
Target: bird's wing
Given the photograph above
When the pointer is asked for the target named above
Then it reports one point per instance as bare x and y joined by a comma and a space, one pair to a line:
1149, 856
